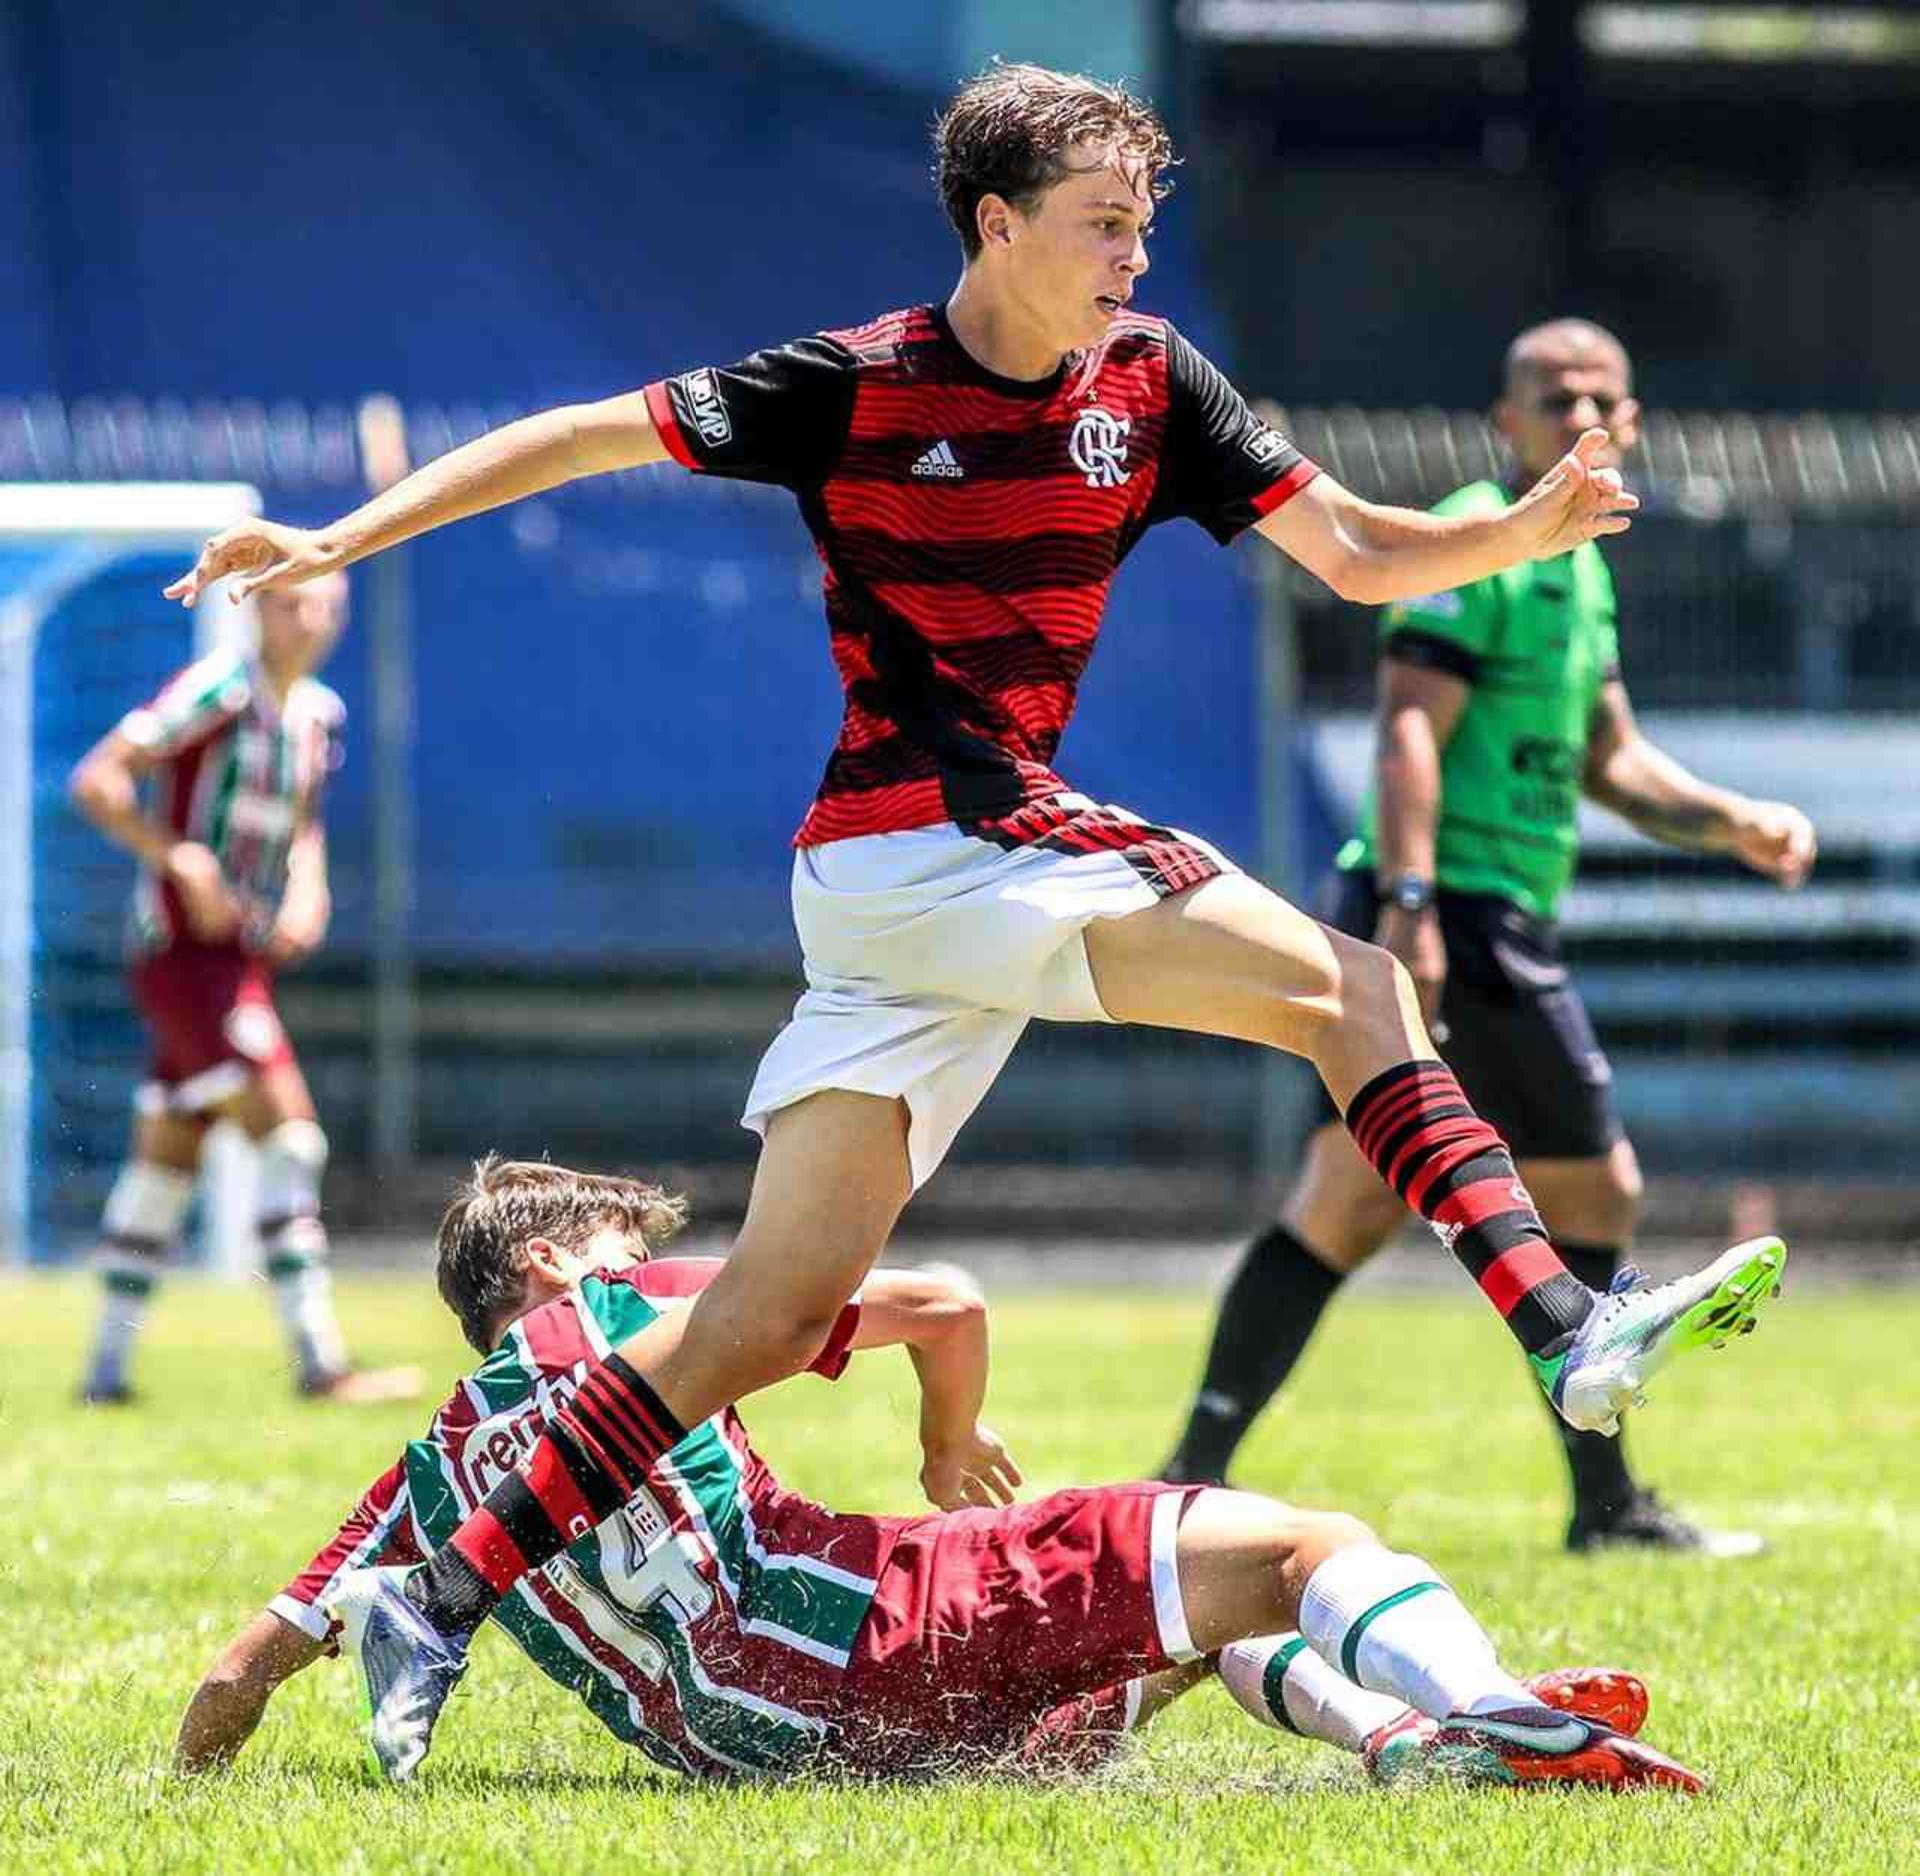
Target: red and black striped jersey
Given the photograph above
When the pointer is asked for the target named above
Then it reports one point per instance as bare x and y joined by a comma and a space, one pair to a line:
970, 526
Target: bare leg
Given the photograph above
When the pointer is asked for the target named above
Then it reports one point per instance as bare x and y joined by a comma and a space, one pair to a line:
1251, 1566
1231, 958
832, 1180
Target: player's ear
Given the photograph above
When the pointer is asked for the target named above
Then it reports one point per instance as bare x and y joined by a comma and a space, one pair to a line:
545, 1263
993, 217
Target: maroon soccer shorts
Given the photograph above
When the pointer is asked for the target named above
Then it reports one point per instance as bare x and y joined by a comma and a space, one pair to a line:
214, 1027
990, 1629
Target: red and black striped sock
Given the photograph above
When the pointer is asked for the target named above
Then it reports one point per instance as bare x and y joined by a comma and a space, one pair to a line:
1417, 1127
587, 1464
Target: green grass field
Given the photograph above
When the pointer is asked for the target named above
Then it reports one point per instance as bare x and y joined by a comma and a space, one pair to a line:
137, 1542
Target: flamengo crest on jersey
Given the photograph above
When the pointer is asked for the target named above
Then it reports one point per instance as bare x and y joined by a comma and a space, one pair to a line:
1098, 446
969, 527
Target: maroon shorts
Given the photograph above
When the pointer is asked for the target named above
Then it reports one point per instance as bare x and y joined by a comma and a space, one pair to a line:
214, 1027
1007, 1637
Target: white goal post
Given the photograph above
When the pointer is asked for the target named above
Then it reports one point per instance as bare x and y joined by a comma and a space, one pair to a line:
57, 541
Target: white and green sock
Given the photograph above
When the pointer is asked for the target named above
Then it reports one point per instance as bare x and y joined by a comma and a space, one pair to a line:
139, 1227
1391, 1623
294, 1243
1281, 1682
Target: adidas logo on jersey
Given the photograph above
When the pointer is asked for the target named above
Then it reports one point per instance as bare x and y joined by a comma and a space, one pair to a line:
939, 461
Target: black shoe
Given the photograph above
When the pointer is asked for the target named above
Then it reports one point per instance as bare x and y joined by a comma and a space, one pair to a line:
1644, 1523
1180, 1470
119, 1395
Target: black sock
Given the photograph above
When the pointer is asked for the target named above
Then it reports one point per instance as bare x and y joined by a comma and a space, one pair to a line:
1596, 1464
1266, 1316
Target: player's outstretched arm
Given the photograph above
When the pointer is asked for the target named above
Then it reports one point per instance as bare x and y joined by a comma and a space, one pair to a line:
941, 1319
505, 465
1375, 554
1640, 782
228, 1703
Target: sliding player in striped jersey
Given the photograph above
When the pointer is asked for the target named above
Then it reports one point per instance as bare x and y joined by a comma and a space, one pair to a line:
950, 886
729, 1628
234, 752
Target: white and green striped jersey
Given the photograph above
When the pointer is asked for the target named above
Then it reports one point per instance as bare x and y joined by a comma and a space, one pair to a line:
237, 773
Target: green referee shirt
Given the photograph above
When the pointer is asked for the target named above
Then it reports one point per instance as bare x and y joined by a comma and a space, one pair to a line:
1536, 642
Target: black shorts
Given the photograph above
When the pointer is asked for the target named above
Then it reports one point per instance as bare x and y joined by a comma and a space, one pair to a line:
1518, 1035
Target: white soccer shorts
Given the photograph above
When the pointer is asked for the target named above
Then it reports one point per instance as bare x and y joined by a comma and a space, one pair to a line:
929, 951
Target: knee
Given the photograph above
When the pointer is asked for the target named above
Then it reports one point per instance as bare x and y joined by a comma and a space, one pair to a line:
1321, 1534
1304, 1542
293, 1157
1374, 987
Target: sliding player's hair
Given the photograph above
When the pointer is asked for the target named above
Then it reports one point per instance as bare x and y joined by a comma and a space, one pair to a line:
1007, 133
482, 1241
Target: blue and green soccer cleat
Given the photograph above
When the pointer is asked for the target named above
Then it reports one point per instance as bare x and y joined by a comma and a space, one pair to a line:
407, 1668
1637, 1327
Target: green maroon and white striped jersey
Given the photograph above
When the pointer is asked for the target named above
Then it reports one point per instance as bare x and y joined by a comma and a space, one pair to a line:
236, 773
708, 1621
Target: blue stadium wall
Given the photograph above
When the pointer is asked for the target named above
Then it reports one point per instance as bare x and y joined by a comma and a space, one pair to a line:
624, 696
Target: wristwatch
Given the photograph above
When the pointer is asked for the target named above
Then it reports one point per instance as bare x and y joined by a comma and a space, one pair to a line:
1408, 891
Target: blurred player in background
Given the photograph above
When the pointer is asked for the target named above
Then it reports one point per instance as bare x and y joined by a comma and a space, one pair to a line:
729, 1628
1500, 702
234, 753
973, 471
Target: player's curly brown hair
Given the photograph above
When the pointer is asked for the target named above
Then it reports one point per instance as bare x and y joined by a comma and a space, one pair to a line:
1007, 133
481, 1244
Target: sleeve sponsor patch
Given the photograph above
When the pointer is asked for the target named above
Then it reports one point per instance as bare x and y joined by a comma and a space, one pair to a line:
706, 406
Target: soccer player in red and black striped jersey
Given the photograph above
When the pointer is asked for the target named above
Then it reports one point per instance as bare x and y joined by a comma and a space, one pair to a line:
973, 471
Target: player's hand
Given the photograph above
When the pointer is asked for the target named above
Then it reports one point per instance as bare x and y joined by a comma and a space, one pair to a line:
253, 554
213, 910
1576, 500
1777, 840
975, 1469
1415, 939
298, 931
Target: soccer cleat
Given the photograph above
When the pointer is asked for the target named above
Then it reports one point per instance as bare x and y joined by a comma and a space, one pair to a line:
92, 1394
407, 1667
1541, 1745
1645, 1523
1601, 1368
363, 1387
1612, 1697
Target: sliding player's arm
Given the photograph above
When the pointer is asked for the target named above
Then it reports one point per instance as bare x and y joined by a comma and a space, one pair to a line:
1372, 553
293, 1631
1630, 775
228, 1703
941, 1320
778, 416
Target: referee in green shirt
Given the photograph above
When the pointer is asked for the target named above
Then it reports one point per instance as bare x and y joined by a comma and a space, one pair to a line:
1499, 704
